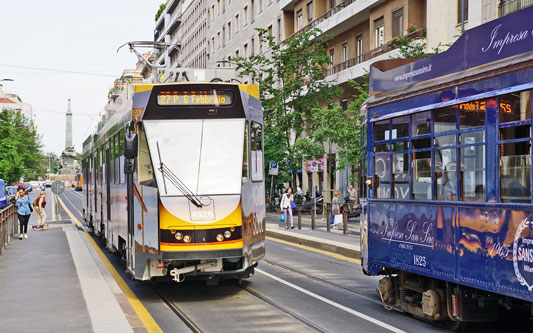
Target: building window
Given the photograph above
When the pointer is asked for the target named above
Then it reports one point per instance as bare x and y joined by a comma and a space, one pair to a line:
245, 15
229, 30
331, 61
359, 48
245, 50
260, 44
299, 20
212, 13
279, 30
332, 3
252, 11
465, 11
344, 104
344, 52
269, 30
223, 36
223, 6
218, 40
236, 53
252, 46
218, 7
260, 6
380, 31
397, 22
310, 12
237, 23
212, 44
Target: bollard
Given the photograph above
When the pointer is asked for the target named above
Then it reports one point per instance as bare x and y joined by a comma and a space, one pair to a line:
313, 217
328, 217
299, 217
345, 219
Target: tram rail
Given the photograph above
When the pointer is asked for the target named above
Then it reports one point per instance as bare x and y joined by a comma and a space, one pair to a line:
179, 312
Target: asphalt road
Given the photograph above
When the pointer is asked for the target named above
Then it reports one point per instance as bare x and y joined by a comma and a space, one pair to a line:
293, 290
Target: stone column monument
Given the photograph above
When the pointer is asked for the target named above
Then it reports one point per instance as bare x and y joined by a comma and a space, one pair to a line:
68, 164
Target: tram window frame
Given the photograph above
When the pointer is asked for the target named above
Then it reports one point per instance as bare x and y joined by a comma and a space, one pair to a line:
246, 154
257, 167
379, 181
515, 188
121, 175
405, 174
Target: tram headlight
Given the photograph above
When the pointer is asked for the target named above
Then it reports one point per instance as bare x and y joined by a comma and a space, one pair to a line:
172, 231
220, 237
232, 229
227, 234
179, 236
187, 239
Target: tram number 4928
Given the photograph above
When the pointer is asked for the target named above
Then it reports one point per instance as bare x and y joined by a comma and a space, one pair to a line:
419, 260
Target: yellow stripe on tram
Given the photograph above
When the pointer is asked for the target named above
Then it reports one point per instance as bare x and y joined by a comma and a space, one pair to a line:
143, 314
330, 254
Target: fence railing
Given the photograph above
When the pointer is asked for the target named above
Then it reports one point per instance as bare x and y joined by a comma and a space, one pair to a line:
393, 44
509, 6
8, 225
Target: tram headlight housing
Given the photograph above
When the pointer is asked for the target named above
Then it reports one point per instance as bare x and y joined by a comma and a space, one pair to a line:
220, 237
187, 239
227, 234
172, 231
178, 235
232, 229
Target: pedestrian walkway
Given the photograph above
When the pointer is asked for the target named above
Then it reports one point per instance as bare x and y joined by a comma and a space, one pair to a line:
334, 241
55, 281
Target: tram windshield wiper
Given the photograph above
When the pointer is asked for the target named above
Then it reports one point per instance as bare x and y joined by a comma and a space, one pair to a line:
174, 180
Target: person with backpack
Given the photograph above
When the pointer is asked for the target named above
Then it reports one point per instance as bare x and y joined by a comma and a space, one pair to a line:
40, 204
24, 211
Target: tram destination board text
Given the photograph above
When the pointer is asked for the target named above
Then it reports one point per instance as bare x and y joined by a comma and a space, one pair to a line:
195, 97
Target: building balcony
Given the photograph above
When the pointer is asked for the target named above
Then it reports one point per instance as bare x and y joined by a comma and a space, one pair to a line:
358, 66
509, 6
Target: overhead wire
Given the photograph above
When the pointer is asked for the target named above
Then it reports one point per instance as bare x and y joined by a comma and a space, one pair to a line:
57, 70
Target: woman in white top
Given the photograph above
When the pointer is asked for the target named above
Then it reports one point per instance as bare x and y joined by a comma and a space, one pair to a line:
285, 204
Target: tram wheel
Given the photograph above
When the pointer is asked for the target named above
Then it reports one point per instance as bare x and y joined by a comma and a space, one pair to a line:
456, 326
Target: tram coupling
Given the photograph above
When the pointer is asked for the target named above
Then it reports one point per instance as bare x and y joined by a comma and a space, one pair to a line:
211, 265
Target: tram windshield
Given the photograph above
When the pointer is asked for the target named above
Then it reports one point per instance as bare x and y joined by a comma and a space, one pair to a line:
205, 154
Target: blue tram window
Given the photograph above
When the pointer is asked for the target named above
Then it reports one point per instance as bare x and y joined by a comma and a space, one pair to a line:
421, 123
444, 120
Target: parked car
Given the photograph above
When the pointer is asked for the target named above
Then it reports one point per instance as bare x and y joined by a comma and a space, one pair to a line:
47, 183
11, 192
28, 186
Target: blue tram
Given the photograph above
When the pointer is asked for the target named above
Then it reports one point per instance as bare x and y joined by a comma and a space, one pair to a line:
448, 215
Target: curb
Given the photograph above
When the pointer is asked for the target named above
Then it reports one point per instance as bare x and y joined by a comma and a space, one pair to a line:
333, 248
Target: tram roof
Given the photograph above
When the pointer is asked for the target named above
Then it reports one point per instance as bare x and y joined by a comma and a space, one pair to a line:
496, 46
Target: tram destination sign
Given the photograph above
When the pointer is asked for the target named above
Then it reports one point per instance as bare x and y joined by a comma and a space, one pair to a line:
502, 38
194, 97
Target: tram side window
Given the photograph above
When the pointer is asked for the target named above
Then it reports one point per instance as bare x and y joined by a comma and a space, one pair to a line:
421, 123
421, 175
145, 172
245, 156
472, 174
381, 130
444, 120
400, 127
400, 176
122, 177
256, 142
514, 116
116, 164
515, 172
382, 176
445, 177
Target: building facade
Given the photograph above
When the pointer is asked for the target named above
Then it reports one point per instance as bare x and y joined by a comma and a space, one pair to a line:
13, 102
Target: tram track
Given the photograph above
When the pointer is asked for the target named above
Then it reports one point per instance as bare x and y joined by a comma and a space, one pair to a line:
315, 278
178, 311
284, 309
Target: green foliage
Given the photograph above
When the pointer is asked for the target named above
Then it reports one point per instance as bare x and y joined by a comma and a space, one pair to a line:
292, 91
410, 47
160, 11
19, 147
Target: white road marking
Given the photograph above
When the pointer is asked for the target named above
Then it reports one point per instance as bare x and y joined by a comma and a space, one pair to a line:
332, 303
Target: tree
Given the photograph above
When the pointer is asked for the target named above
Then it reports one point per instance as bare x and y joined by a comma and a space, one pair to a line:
19, 147
292, 90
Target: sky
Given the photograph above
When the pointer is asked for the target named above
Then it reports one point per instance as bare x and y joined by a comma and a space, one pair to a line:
71, 35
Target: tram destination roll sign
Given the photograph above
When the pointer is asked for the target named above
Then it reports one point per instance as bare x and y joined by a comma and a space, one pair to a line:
502, 38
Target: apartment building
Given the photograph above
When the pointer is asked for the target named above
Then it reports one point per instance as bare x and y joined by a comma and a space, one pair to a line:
231, 28
183, 24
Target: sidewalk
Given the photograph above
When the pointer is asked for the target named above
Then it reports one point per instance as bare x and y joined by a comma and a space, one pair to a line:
54, 281
334, 241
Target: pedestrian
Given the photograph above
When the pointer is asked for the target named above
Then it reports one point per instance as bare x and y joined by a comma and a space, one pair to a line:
336, 208
24, 211
351, 196
39, 205
285, 204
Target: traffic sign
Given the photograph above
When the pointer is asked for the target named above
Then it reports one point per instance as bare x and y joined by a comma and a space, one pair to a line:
313, 167
58, 187
273, 170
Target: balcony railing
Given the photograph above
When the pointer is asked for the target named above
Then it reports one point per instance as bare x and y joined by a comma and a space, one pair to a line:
324, 17
393, 44
509, 6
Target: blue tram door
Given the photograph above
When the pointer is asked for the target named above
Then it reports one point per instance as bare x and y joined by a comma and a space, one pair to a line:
3, 195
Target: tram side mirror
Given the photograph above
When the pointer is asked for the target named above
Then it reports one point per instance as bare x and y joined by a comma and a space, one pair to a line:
130, 145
